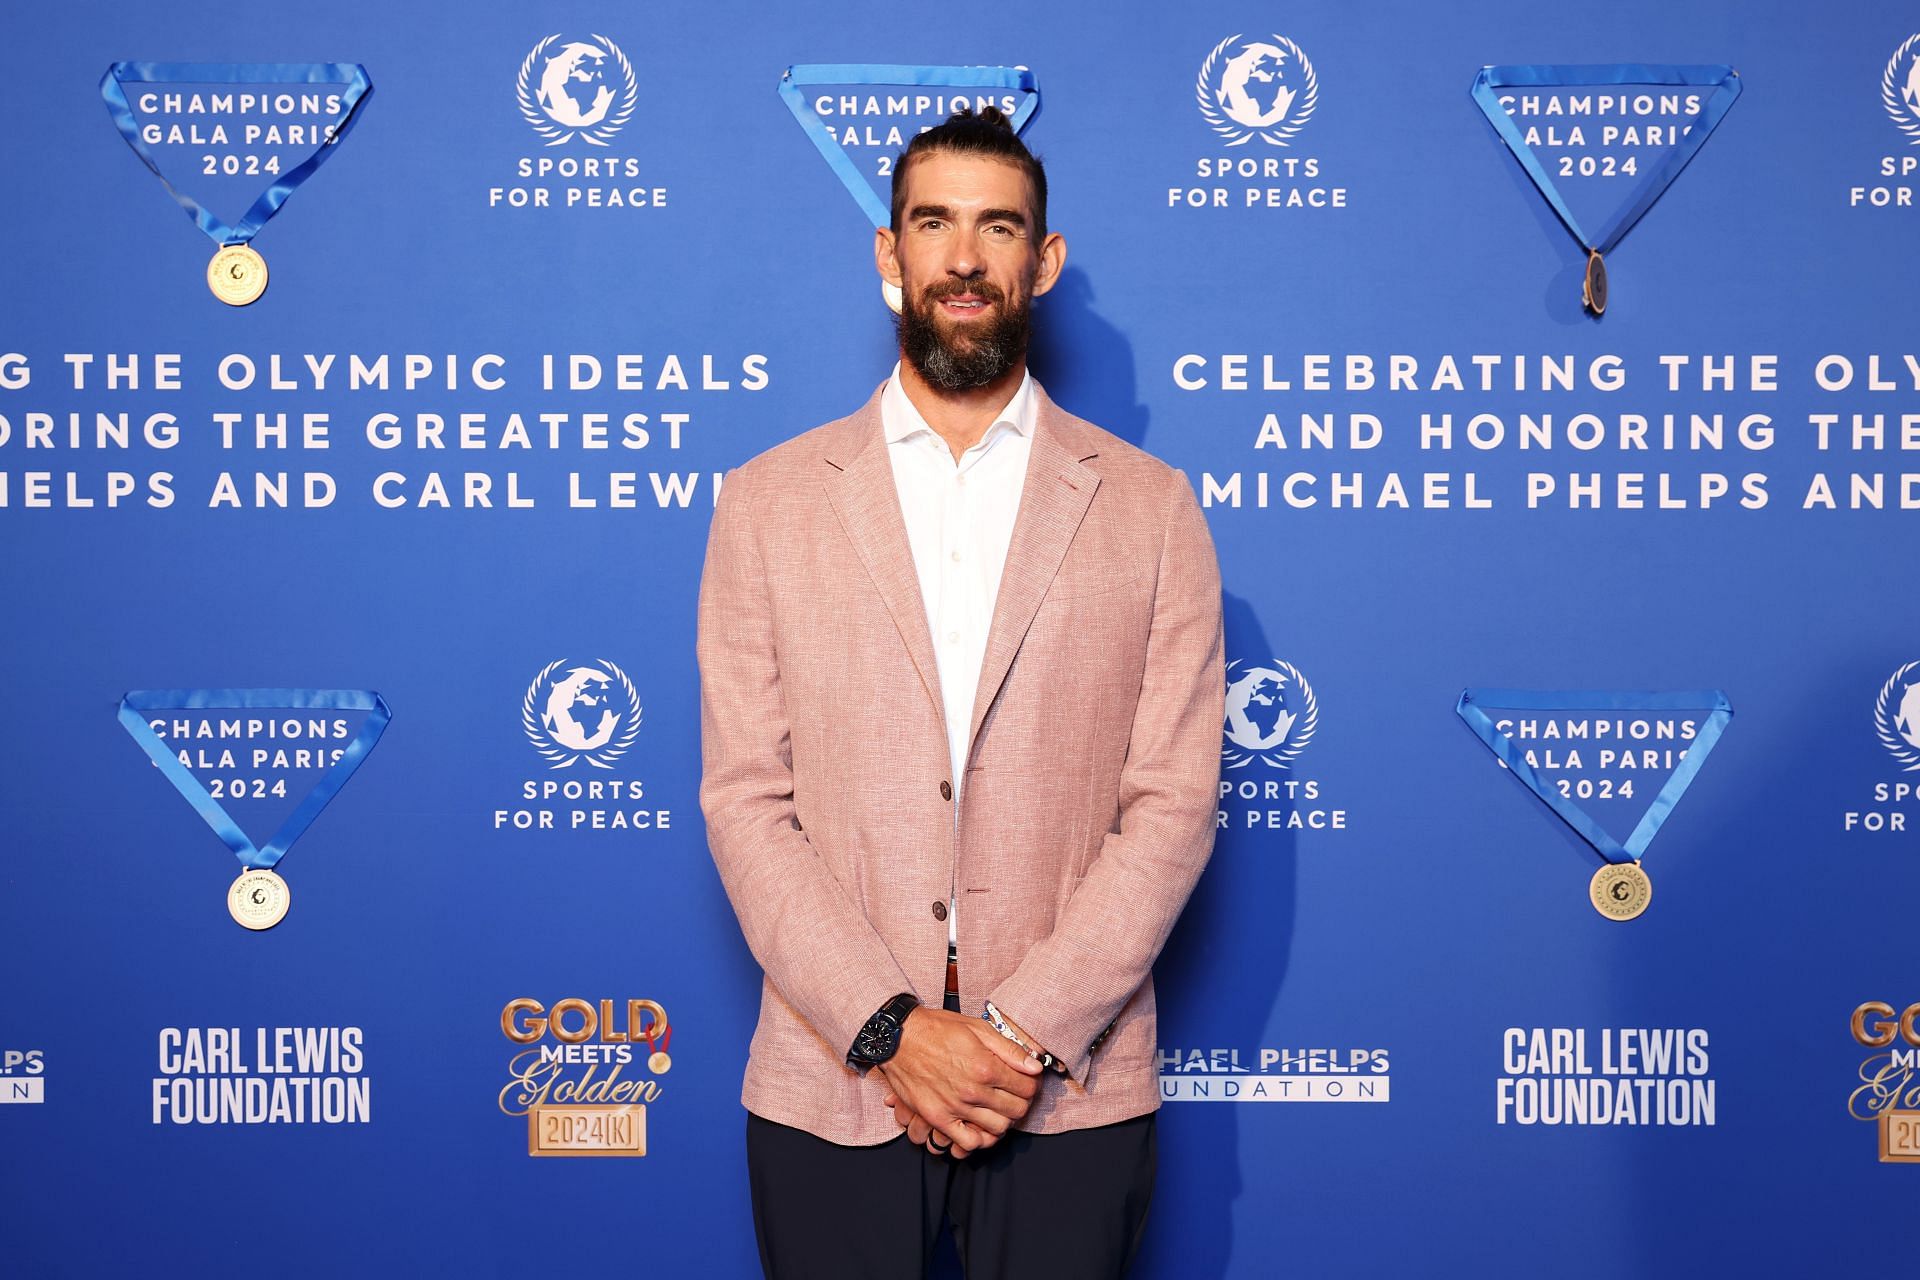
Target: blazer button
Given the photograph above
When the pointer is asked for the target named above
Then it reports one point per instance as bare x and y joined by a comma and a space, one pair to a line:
946, 790
939, 911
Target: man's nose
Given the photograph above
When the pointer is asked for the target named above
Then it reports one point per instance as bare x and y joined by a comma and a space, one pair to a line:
966, 261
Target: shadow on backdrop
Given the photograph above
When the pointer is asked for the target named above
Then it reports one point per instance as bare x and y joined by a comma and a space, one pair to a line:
1217, 982
1084, 361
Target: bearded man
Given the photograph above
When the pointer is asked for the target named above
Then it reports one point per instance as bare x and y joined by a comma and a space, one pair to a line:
961, 705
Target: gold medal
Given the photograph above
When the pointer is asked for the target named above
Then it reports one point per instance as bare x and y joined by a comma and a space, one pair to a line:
237, 275
258, 899
659, 1063
1593, 289
1620, 890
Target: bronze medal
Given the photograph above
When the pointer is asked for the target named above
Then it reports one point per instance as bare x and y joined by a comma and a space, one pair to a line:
1593, 289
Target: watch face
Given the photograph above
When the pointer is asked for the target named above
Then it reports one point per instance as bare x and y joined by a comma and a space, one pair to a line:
876, 1042
879, 1039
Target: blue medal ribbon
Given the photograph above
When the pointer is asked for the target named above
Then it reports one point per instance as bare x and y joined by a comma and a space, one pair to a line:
142, 700
120, 74
1724, 79
1719, 712
796, 78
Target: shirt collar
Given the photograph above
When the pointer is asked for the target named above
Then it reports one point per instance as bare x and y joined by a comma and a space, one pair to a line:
900, 420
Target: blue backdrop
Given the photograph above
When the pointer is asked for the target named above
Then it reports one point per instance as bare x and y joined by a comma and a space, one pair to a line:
1382, 897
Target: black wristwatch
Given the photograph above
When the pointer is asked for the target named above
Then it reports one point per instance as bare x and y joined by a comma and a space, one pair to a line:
880, 1038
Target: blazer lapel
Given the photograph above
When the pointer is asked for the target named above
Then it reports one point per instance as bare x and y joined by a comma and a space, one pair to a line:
864, 497
1053, 501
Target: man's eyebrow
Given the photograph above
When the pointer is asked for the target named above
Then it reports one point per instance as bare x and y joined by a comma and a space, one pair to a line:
920, 211
1014, 216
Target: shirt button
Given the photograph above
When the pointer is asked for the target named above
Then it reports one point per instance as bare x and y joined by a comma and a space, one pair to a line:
953, 637
946, 793
939, 911
956, 557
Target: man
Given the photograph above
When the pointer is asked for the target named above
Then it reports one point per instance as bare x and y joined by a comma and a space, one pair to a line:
961, 707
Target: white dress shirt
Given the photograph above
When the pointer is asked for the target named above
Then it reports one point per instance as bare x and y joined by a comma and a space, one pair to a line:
959, 517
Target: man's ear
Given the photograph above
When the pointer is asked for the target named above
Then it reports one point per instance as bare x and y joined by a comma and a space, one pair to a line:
1053, 259
886, 257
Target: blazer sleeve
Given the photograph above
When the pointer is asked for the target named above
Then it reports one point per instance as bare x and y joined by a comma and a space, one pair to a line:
813, 941
1074, 982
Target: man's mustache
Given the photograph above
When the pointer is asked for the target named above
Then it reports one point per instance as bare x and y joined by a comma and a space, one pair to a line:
985, 290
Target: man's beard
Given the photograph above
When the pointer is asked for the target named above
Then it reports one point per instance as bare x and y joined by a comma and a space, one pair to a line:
967, 361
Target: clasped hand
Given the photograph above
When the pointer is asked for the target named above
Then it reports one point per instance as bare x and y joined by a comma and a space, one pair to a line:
958, 1077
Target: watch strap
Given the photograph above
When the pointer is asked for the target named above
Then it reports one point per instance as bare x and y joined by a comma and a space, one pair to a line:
879, 1039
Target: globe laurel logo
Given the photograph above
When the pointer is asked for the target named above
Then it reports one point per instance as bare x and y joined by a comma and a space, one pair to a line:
1896, 715
1900, 88
580, 713
1271, 715
566, 93
1252, 87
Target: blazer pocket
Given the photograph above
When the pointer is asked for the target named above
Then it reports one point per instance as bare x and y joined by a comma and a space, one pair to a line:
1085, 586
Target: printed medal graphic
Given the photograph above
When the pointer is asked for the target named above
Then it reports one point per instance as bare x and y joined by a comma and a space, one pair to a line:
581, 89
1259, 87
244, 769
875, 109
232, 123
1583, 132
1587, 752
573, 713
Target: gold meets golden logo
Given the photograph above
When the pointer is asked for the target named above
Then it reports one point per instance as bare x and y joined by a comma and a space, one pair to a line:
1888, 1092
572, 1081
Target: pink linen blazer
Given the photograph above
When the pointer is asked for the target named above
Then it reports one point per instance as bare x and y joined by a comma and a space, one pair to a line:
1091, 775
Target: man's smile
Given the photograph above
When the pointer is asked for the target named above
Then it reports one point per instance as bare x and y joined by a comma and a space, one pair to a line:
961, 300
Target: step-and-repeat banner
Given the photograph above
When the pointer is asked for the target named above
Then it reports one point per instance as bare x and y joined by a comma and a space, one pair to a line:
1548, 378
